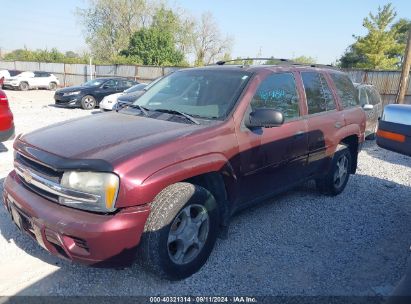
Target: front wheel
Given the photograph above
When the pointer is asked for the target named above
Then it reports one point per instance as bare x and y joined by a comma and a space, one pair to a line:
180, 232
337, 178
88, 102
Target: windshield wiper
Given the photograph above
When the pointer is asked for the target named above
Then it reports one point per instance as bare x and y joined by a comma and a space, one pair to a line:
126, 104
175, 112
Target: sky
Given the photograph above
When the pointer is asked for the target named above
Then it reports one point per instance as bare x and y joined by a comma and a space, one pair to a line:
284, 29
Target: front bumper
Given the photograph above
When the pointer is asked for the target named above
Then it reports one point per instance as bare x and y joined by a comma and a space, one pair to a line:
80, 236
8, 134
67, 101
10, 85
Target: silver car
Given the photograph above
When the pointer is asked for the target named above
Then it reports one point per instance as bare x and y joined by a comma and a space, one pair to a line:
371, 102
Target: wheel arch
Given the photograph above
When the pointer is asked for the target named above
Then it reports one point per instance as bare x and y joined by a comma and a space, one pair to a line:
352, 142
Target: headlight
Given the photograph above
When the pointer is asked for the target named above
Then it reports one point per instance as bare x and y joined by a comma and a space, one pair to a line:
71, 93
100, 189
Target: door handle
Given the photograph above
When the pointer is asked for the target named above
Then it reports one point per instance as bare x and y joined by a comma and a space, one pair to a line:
338, 125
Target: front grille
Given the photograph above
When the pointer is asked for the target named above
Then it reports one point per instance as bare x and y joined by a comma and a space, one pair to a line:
40, 170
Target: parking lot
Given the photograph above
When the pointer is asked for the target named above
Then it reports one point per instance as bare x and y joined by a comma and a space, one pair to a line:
300, 243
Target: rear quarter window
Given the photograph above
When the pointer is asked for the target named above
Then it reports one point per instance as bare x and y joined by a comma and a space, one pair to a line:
345, 90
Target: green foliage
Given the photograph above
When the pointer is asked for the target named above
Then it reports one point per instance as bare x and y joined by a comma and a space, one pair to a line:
304, 60
45, 56
384, 44
153, 46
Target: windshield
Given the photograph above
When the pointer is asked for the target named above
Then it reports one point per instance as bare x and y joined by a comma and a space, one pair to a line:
201, 93
92, 83
137, 87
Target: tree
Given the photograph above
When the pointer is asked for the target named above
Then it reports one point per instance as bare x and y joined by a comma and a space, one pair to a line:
304, 59
152, 46
208, 42
109, 24
381, 48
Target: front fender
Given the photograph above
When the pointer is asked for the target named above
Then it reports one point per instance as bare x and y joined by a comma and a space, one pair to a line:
153, 184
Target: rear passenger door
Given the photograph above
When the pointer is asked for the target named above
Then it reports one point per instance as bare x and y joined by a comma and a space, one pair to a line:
324, 120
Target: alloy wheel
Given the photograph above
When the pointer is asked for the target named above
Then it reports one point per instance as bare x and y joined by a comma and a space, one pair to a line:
341, 172
188, 234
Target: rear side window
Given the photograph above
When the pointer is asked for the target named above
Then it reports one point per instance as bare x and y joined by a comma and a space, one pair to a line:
319, 96
278, 92
373, 96
363, 96
345, 90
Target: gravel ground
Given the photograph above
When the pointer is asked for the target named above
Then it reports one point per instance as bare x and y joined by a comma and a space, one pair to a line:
300, 243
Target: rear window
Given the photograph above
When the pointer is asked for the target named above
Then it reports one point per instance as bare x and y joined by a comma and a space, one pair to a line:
319, 96
345, 90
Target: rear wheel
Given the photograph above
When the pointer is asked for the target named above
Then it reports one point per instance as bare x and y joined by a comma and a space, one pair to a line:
88, 102
180, 232
24, 86
337, 178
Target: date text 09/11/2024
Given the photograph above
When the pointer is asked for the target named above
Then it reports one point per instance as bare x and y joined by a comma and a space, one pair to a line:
203, 299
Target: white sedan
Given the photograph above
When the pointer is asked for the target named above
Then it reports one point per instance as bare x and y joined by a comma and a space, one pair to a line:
109, 101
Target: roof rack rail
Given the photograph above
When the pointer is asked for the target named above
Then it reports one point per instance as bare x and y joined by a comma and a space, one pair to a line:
222, 62
282, 60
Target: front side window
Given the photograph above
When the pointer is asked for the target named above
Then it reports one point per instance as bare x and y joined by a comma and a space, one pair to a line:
319, 96
345, 90
111, 83
278, 92
205, 93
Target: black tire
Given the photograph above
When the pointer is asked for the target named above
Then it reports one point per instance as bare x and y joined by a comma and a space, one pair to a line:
330, 185
156, 251
88, 102
52, 86
371, 136
24, 86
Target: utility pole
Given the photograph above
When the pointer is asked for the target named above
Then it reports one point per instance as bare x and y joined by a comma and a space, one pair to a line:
402, 89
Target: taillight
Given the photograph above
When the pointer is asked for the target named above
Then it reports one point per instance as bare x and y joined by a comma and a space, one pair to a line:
3, 99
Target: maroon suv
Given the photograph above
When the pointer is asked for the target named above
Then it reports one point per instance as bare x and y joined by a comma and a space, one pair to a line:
163, 175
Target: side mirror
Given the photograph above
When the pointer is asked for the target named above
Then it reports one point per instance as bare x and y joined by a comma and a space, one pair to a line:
105, 86
264, 118
368, 107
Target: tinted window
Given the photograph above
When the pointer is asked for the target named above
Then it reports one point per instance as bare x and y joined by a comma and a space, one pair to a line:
111, 83
363, 96
319, 96
373, 96
345, 90
14, 73
278, 92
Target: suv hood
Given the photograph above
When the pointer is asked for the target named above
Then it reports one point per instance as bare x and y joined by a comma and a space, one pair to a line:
108, 136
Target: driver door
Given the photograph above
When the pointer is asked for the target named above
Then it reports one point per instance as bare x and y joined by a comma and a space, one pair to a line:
107, 88
273, 159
